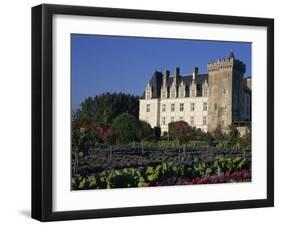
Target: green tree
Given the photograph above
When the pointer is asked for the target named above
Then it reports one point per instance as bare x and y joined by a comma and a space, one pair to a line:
107, 106
101, 109
146, 131
105, 133
127, 128
233, 135
180, 131
246, 140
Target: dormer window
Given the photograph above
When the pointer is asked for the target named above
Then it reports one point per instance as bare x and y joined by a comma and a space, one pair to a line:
193, 93
193, 88
205, 92
205, 89
164, 94
148, 94
182, 93
173, 92
182, 90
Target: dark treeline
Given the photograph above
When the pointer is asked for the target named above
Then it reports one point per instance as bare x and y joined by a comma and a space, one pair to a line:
105, 107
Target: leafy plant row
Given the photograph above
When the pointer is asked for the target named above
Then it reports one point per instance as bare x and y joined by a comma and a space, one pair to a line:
221, 170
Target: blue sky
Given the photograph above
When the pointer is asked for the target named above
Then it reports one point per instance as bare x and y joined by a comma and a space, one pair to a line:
125, 64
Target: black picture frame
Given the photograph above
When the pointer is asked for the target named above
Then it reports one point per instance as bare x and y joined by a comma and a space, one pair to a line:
42, 111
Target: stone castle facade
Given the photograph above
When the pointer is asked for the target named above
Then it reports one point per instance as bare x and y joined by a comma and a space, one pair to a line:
218, 98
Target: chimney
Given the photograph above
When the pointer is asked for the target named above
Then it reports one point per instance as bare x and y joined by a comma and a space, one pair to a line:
194, 72
176, 72
176, 75
166, 75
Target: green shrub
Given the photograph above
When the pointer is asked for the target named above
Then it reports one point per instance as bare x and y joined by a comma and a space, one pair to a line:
180, 131
127, 127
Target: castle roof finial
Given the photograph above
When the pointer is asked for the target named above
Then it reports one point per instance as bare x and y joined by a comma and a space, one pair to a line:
231, 55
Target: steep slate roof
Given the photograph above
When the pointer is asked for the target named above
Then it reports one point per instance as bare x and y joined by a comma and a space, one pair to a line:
199, 79
157, 78
156, 82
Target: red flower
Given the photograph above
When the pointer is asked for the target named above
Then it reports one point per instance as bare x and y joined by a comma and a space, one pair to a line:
85, 127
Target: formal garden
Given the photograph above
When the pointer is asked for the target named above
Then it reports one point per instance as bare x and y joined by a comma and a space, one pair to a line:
112, 148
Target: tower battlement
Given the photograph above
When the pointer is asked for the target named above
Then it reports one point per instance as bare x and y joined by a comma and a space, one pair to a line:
227, 64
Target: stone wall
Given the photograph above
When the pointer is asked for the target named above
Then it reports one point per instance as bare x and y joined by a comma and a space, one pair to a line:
220, 94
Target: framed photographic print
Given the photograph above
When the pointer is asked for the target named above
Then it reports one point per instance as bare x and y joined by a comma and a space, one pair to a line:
145, 112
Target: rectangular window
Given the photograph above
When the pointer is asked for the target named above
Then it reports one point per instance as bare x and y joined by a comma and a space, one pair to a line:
204, 120
148, 108
172, 107
192, 107
181, 106
181, 118
163, 120
205, 106
172, 119
192, 120
216, 107
163, 107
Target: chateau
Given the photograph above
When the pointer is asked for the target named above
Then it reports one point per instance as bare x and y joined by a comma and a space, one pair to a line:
218, 98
